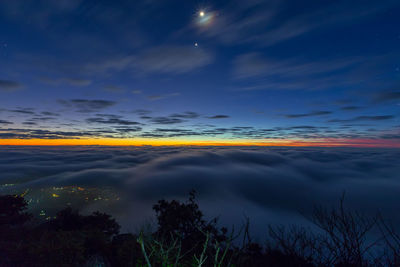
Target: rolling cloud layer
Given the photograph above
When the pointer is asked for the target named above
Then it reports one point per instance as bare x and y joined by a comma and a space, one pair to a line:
270, 185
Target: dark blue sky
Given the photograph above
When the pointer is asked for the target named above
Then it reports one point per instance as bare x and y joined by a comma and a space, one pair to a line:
246, 70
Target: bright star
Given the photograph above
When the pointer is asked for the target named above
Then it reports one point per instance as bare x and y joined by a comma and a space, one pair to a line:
196, 44
201, 14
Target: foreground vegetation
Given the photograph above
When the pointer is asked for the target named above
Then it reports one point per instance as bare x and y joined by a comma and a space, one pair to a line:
184, 238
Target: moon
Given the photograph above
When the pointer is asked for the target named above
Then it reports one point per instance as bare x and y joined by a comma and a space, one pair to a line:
205, 19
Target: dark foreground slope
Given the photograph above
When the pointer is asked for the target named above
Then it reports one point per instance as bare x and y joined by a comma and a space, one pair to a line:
183, 238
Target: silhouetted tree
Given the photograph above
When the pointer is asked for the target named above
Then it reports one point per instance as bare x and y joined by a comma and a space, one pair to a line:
125, 250
345, 235
12, 228
75, 237
184, 238
12, 211
182, 225
177, 218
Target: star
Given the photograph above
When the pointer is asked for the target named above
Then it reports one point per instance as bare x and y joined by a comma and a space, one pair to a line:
196, 44
201, 13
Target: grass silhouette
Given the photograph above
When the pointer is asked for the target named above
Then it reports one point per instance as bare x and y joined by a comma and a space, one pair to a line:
184, 238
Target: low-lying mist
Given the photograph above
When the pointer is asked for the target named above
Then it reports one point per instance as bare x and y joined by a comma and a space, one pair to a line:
267, 185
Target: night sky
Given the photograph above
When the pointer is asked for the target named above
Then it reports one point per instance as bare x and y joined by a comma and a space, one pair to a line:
200, 72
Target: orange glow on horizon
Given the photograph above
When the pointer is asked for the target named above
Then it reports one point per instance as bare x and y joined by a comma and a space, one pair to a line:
153, 142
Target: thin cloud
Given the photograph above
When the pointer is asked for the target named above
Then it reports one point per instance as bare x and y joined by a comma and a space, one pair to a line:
43, 134
386, 96
255, 65
350, 108
186, 115
257, 72
9, 86
172, 59
5, 122
219, 117
26, 111
262, 22
311, 114
165, 120
87, 106
159, 97
48, 113
365, 118
69, 81
113, 89
169, 59
111, 119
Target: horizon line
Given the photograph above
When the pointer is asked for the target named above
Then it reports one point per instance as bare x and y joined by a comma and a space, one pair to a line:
378, 143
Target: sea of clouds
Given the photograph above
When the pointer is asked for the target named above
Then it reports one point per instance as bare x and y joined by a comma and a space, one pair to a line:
268, 185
